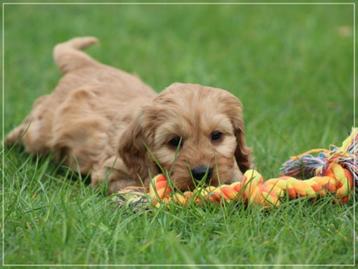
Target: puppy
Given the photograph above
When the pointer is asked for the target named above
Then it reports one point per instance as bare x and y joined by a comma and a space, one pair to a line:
107, 123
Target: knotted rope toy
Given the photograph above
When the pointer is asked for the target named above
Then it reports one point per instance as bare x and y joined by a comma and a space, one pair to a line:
321, 171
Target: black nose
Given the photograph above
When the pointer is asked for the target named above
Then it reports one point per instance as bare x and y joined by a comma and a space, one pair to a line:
200, 171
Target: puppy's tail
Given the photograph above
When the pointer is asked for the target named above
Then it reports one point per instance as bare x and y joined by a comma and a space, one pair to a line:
68, 55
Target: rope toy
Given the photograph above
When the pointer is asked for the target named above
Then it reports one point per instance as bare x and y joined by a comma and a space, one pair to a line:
321, 171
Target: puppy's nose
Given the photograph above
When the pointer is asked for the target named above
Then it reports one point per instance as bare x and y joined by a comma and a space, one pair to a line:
200, 171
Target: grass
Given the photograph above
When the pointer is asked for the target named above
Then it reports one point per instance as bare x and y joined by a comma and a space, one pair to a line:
291, 66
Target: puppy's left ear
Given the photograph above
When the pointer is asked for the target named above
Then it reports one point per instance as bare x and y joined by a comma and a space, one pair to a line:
134, 145
234, 110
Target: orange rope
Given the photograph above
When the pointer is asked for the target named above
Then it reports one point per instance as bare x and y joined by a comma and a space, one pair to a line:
335, 178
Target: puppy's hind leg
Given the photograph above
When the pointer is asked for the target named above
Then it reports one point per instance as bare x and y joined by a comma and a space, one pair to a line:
14, 137
35, 130
68, 55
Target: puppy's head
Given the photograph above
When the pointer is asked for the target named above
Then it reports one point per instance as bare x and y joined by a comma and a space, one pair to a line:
194, 132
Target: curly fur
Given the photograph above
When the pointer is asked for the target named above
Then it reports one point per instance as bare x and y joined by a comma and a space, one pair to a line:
106, 122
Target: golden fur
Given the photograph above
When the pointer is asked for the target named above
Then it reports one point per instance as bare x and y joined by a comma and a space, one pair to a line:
106, 122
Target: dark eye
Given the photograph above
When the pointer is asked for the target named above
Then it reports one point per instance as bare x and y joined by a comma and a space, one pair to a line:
175, 142
216, 136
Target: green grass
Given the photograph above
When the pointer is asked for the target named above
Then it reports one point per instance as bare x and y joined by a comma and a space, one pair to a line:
290, 65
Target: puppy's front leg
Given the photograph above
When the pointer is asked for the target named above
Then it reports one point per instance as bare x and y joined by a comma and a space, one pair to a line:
121, 182
114, 171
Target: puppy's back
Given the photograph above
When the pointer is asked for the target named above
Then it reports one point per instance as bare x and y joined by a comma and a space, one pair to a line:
82, 115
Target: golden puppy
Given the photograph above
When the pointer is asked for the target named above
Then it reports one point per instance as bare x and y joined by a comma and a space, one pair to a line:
106, 122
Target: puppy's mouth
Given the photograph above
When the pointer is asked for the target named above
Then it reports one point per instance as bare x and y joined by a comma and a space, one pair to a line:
188, 184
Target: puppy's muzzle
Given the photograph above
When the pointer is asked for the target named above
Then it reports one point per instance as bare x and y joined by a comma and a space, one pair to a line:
200, 171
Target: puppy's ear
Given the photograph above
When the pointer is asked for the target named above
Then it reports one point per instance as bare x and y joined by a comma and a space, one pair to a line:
242, 152
133, 147
233, 109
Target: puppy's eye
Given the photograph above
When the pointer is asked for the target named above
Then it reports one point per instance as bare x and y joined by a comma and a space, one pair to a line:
216, 136
175, 142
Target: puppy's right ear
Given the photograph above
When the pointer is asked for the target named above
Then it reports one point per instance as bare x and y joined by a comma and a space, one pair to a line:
133, 146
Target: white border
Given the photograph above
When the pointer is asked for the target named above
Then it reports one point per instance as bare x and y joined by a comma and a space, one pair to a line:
181, 3
165, 3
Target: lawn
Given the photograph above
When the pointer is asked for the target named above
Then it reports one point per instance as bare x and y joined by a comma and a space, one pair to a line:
291, 66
